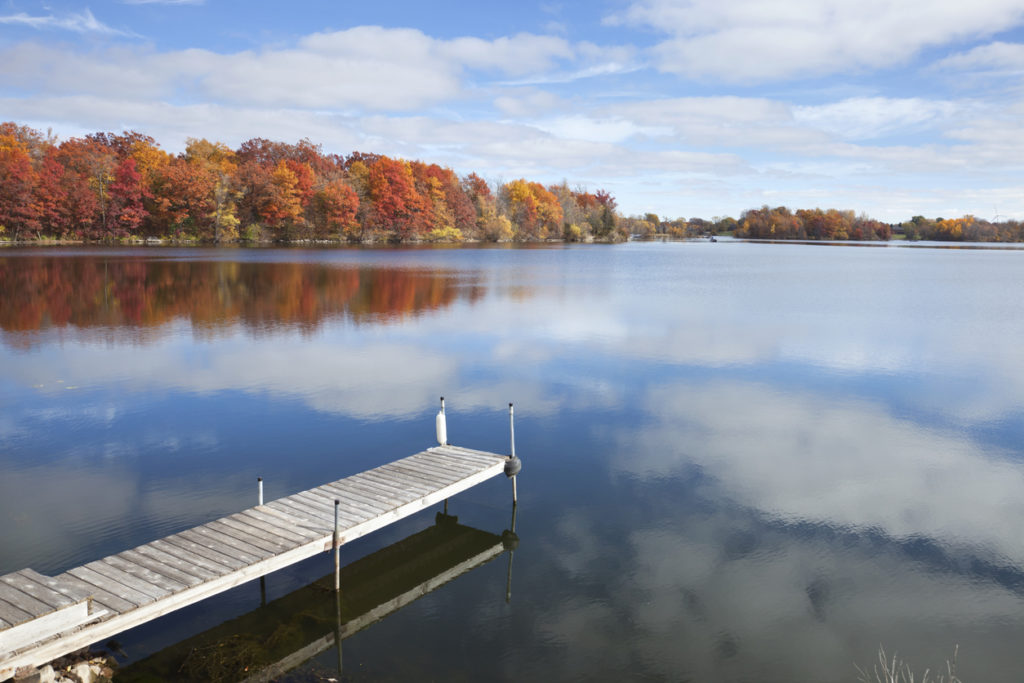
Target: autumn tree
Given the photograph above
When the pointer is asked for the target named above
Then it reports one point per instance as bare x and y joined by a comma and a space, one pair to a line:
280, 204
124, 209
397, 207
19, 211
334, 210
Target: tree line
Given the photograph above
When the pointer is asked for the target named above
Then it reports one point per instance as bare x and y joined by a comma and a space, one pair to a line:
107, 186
780, 223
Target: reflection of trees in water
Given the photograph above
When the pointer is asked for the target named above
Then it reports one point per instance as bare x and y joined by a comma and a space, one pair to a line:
41, 293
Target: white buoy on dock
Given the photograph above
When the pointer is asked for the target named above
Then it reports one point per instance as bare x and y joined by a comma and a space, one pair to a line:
442, 426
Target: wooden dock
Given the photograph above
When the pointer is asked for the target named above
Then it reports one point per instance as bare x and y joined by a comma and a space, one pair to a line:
42, 618
315, 618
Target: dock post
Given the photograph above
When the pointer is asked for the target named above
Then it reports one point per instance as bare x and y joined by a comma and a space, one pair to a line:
512, 465
337, 551
337, 629
259, 487
511, 541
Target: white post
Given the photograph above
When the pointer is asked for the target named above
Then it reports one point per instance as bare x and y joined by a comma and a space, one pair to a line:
259, 485
441, 426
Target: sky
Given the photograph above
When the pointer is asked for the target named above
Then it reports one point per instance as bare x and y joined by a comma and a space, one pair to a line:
684, 108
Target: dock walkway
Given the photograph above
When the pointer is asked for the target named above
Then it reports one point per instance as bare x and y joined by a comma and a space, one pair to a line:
42, 618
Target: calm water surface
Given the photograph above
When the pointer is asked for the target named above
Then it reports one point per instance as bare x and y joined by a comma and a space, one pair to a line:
742, 462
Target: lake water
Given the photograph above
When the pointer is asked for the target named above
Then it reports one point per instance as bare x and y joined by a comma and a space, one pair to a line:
741, 462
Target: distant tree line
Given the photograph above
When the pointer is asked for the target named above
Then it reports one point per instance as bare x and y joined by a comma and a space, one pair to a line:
108, 186
780, 223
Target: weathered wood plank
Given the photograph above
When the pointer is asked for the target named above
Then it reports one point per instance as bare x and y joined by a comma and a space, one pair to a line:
174, 568
462, 460
247, 533
393, 495
109, 571
424, 483
100, 598
443, 466
132, 567
209, 544
358, 507
350, 509
292, 532
291, 517
23, 601
303, 510
323, 506
198, 553
112, 586
450, 463
397, 494
254, 534
354, 507
481, 457
238, 540
43, 627
13, 615
318, 502
431, 481
27, 582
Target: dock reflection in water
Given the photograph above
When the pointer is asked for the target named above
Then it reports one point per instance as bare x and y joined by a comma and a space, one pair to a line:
285, 633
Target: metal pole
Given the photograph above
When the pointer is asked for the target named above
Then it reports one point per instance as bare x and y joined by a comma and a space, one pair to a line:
337, 551
512, 542
512, 428
512, 466
337, 628
259, 486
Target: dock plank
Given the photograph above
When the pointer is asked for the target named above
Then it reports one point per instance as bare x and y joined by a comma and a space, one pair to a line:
359, 508
208, 543
132, 567
111, 585
368, 487
110, 571
322, 502
26, 581
421, 484
23, 601
174, 568
275, 525
254, 534
296, 508
199, 553
12, 615
231, 543
450, 463
292, 517
430, 481
104, 599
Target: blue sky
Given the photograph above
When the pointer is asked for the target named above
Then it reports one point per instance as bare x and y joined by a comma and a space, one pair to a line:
681, 107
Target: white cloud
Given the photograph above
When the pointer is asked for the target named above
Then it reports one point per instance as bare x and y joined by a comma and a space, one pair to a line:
756, 40
868, 117
79, 22
369, 68
998, 57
